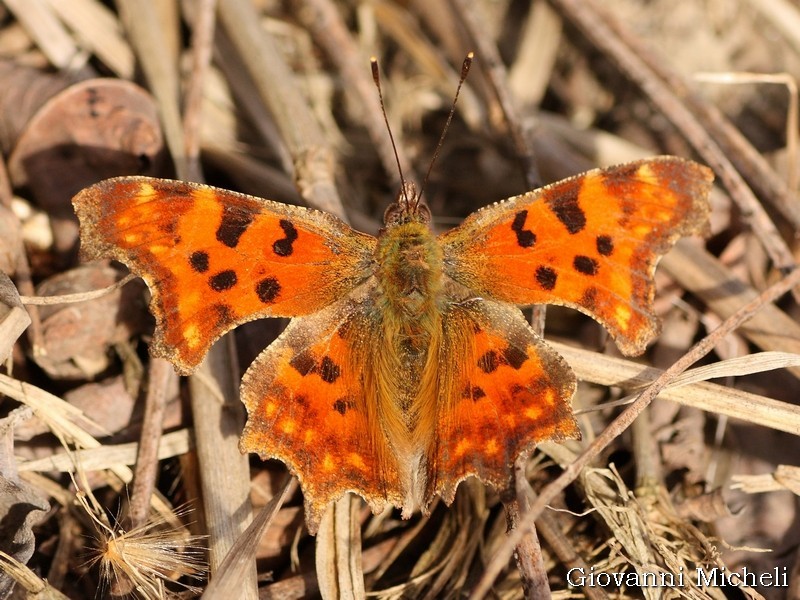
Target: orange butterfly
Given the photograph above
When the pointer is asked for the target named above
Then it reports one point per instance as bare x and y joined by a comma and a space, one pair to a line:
407, 368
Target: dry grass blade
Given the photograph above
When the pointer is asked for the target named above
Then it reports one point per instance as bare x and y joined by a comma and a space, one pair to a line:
338, 551
107, 456
202, 47
736, 367
227, 581
45, 28
312, 158
149, 34
406, 31
36, 588
649, 540
325, 23
697, 271
533, 68
225, 474
64, 420
718, 399
67, 424
98, 29
496, 73
785, 477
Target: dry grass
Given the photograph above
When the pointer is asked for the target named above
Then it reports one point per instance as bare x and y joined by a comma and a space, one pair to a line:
276, 100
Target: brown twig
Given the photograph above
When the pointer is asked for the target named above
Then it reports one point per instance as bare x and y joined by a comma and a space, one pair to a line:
323, 20
77, 297
146, 472
550, 530
202, 45
528, 553
624, 420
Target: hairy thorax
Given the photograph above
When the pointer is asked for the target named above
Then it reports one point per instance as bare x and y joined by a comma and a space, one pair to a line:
410, 279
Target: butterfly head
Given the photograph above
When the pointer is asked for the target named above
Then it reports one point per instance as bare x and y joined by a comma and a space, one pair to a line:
407, 208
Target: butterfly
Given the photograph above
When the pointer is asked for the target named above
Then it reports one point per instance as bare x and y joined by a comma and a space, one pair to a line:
407, 366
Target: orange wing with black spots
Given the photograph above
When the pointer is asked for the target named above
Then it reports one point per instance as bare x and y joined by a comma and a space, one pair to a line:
590, 242
308, 406
214, 259
503, 391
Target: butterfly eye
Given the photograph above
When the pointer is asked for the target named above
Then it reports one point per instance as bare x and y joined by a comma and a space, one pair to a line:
393, 213
423, 211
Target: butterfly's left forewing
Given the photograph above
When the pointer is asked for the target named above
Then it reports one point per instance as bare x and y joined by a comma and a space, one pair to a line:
214, 259
590, 242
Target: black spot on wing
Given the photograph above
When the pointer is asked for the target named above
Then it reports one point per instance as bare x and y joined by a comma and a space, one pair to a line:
605, 245
567, 210
585, 265
268, 289
525, 237
474, 393
329, 371
199, 261
303, 363
342, 405
546, 277
222, 281
285, 245
489, 362
515, 357
234, 224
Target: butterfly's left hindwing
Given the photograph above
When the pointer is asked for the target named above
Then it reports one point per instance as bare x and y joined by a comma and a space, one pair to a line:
214, 259
309, 407
590, 242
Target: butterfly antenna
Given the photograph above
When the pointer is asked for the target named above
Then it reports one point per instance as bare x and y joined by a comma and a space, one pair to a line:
464, 72
377, 79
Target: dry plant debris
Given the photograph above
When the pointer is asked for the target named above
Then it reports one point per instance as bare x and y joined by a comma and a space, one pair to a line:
276, 100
